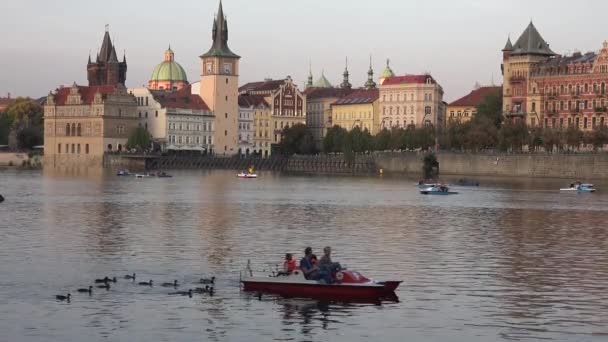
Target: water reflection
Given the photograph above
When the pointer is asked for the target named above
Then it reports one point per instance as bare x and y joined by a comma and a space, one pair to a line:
505, 261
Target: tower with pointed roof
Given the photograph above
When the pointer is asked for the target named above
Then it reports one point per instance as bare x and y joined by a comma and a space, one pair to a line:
310, 78
370, 84
345, 82
219, 86
107, 70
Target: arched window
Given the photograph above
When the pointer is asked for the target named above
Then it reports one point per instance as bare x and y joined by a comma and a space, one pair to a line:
79, 130
67, 130
586, 88
73, 129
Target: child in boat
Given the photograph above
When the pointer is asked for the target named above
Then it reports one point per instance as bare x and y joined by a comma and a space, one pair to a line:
289, 265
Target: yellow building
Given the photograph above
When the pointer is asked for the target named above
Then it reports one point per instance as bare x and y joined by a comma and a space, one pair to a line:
262, 128
357, 109
318, 110
219, 87
465, 108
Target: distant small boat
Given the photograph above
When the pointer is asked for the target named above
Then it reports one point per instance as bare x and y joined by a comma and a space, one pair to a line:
164, 175
123, 173
139, 175
246, 175
579, 187
426, 185
437, 190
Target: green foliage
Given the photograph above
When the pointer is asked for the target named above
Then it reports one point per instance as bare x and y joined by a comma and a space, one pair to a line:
5, 128
334, 139
574, 137
512, 136
382, 140
599, 137
490, 109
297, 139
29, 137
24, 118
25, 112
139, 139
430, 166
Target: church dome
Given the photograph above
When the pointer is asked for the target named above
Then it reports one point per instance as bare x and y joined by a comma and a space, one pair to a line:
169, 70
322, 82
388, 72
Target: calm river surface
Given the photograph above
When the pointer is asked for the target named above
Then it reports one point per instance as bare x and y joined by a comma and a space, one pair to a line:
505, 261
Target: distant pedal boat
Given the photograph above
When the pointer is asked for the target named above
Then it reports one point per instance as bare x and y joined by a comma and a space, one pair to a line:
437, 190
246, 175
584, 187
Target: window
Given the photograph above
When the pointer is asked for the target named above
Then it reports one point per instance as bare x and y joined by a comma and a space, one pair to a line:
73, 149
67, 130
226, 80
533, 106
146, 101
146, 115
86, 148
226, 133
427, 110
584, 122
140, 115
156, 114
58, 148
226, 98
226, 115
78, 148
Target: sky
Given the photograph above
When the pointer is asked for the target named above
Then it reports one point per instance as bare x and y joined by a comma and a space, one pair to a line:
45, 44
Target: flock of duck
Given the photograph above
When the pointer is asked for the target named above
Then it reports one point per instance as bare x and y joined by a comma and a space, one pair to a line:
104, 283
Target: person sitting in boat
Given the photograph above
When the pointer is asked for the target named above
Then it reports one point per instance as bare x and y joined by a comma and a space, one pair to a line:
314, 259
309, 269
327, 267
289, 265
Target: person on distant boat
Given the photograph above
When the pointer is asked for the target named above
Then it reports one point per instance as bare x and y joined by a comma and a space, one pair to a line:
327, 267
314, 259
310, 270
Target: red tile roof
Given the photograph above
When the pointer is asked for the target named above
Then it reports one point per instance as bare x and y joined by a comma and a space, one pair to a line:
319, 93
267, 85
86, 93
408, 79
475, 97
360, 96
181, 99
252, 101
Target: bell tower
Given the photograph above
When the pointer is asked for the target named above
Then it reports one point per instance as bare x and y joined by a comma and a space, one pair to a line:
219, 87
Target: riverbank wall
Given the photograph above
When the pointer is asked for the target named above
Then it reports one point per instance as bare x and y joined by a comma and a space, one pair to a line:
568, 166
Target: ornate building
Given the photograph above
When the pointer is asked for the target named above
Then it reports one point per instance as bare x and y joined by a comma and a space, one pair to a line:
318, 109
107, 70
410, 100
465, 108
547, 89
168, 75
287, 103
254, 125
219, 86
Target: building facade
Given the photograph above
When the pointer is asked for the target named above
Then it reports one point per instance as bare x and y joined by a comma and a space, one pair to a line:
287, 103
178, 121
410, 100
168, 75
246, 114
259, 133
107, 70
219, 87
82, 123
358, 109
546, 89
319, 109
465, 108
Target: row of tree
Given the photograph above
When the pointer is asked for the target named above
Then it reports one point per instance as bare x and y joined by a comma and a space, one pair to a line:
21, 124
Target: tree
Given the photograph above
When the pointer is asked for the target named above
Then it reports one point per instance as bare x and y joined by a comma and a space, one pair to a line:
382, 140
535, 138
574, 137
430, 166
334, 139
23, 117
599, 137
25, 112
483, 134
29, 137
5, 128
139, 139
297, 139
513, 135
490, 109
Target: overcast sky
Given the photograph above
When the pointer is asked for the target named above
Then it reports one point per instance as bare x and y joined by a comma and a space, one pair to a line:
46, 43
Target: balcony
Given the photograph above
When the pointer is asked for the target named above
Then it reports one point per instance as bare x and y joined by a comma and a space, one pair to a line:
600, 109
517, 79
512, 114
575, 111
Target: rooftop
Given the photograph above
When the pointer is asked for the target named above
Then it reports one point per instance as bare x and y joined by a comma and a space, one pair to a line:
475, 97
266, 85
252, 101
359, 96
320, 93
87, 94
409, 79
181, 99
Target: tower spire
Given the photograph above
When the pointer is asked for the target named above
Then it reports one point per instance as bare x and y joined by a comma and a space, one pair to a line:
309, 80
345, 82
370, 84
220, 37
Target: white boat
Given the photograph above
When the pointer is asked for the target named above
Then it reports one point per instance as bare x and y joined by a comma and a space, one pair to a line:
437, 190
426, 185
139, 175
246, 175
579, 187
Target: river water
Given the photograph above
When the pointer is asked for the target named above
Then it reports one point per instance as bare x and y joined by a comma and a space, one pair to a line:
510, 260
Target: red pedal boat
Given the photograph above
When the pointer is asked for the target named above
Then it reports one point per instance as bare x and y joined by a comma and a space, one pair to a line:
349, 285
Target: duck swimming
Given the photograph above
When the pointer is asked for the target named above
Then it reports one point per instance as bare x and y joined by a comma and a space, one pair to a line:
104, 286
145, 283
63, 298
128, 276
89, 290
100, 281
208, 280
173, 284
206, 289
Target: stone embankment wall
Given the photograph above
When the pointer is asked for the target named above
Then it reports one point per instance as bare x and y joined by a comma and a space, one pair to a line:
579, 166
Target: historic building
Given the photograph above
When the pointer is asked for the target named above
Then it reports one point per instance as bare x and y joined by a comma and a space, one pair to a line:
5, 102
465, 108
547, 89
318, 109
168, 75
219, 87
360, 108
82, 123
287, 103
178, 121
410, 100
107, 70
254, 125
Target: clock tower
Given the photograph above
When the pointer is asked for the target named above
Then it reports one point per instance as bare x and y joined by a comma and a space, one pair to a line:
220, 87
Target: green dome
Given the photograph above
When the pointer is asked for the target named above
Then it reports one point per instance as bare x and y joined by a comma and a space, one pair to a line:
322, 82
169, 71
388, 72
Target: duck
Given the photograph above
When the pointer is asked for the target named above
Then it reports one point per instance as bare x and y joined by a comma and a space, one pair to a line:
182, 293
205, 289
63, 298
103, 280
173, 284
128, 276
145, 283
104, 286
208, 280
1, 198
89, 290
